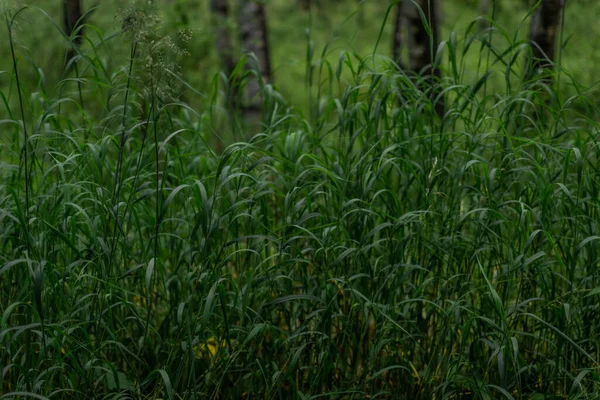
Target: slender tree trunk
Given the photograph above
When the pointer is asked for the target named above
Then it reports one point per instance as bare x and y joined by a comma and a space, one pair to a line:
304, 4
422, 43
220, 11
399, 22
224, 44
484, 12
72, 20
253, 31
360, 17
544, 26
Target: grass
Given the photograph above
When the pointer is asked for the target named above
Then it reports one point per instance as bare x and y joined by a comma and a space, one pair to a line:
362, 249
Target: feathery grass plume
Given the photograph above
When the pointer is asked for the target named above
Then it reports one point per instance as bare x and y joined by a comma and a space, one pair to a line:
158, 53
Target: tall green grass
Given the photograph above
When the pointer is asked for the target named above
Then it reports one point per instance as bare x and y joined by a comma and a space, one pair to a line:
368, 249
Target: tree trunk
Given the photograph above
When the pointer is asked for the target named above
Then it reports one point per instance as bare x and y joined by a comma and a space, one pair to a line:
484, 13
254, 41
72, 20
304, 4
360, 17
224, 44
544, 25
422, 45
399, 22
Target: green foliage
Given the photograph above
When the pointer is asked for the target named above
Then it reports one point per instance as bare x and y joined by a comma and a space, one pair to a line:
361, 247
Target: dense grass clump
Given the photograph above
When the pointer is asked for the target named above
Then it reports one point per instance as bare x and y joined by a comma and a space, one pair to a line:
367, 249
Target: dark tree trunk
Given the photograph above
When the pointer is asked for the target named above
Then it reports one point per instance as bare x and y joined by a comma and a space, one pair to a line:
304, 4
220, 10
422, 45
223, 43
399, 22
544, 26
484, 11
254, 41
360, 17
72, 20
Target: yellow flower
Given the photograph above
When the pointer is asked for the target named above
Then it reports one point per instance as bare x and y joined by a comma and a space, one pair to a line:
210, 348
138, 300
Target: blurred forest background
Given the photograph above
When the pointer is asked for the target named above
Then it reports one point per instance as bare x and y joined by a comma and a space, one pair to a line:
326, 28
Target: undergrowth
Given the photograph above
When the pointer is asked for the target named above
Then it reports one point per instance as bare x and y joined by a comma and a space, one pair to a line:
370, 249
